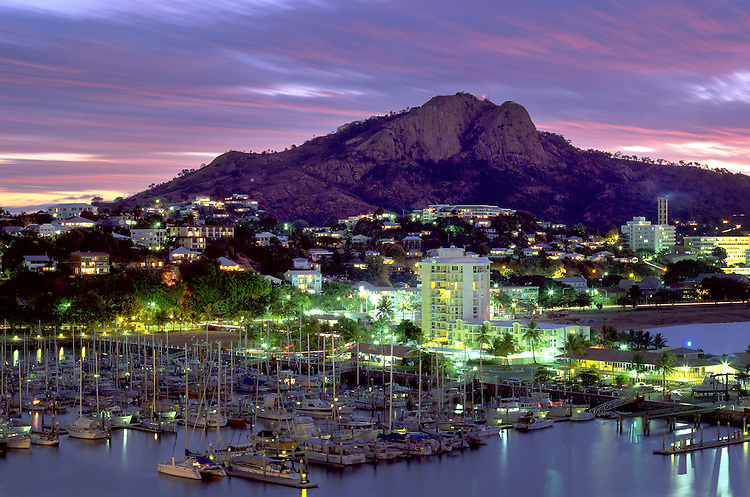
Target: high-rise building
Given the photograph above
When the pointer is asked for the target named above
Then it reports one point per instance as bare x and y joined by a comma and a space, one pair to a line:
454, 286
641, 234
663, 210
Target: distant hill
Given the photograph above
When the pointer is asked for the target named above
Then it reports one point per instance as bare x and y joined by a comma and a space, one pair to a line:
458, 149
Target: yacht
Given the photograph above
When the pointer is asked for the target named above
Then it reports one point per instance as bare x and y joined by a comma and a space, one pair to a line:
332, 453
529, 422
88, 429
311, 405
268, 469
273, 408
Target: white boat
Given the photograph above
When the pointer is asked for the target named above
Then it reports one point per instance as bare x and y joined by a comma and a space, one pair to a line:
201, 418
410, 444
332, 453
273, 409
313, 406
46, 438
159, 426
580, 414
530, 422
207, 467
88, 429
182, 469
17, 440
270, 470
381, 451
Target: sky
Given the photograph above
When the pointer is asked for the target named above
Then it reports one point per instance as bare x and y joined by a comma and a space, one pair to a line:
104, 97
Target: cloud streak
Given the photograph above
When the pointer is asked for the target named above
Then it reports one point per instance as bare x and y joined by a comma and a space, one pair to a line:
87, 92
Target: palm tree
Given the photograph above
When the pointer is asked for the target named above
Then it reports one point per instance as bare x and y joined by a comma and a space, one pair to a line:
385, 309
637, 364
575, 345
504, 346
659, 341
533, 336
608, 335
666, 364
482, 339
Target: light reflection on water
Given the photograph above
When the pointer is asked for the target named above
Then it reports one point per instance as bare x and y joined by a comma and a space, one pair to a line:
567, 460
714, 338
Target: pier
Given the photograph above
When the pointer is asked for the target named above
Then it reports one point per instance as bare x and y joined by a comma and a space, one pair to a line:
684, 445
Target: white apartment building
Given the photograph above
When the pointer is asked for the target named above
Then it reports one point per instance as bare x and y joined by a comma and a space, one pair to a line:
464, 211
310, 281
736, 246
641, 234
196, 237
149, 237
66, 211
455, 287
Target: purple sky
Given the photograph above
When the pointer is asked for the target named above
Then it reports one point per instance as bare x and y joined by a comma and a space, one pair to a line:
103, 101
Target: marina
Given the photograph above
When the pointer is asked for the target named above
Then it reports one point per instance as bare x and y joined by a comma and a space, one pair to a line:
283, 452
568, 459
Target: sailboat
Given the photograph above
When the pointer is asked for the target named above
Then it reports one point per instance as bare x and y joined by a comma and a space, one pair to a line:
85, 427
194, 466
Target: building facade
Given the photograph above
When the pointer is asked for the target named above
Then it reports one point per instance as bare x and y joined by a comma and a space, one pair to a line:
195, 237
641, 234
152, 238
736, 246
89, 263
454, 287
309, 281
66, 211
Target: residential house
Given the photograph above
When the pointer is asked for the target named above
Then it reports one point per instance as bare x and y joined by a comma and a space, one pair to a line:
89, 263
309, 281
39, 263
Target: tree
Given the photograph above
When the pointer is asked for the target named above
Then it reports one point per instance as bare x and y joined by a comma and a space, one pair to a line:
607, 335
575, 346
542, 375
504, 346
588, 377
658, 342
637, 364
407, 331
385, 309
634, 295
533, 336
721, 254
502, 300
666, 364
483, 338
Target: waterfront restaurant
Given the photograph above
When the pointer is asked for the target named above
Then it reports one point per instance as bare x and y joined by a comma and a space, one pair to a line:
690, 366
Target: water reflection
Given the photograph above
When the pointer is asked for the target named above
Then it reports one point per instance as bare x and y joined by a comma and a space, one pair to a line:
567, 460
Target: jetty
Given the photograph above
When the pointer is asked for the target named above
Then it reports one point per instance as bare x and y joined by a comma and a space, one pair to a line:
684, 445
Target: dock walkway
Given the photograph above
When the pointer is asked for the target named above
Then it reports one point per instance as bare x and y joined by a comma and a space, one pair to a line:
685, 444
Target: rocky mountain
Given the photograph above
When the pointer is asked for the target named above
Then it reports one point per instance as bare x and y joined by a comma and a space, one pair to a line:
458, 149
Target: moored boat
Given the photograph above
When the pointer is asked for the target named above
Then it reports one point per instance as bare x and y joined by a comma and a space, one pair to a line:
332, 453
529, 422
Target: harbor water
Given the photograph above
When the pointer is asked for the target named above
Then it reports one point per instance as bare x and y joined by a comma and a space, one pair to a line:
569, 459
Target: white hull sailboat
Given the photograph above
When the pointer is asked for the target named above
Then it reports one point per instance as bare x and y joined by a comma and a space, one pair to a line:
182, 469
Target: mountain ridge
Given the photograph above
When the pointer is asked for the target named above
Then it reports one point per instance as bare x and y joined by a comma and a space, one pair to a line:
458, 149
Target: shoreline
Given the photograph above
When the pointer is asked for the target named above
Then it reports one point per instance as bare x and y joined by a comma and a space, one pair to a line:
622, 319
650, 317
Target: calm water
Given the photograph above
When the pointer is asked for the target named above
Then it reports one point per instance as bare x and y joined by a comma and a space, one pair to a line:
716, 338
587, 459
